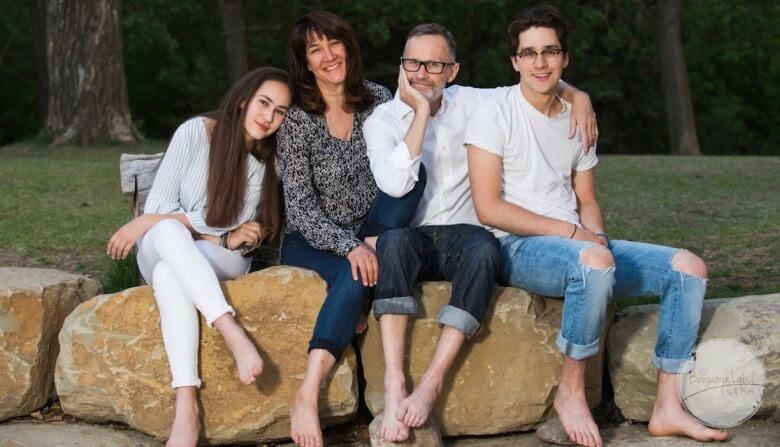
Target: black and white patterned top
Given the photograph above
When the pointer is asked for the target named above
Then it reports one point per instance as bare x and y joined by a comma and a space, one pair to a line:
328, 184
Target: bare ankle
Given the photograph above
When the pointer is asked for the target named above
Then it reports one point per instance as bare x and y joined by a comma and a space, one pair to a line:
393, 381
432, 380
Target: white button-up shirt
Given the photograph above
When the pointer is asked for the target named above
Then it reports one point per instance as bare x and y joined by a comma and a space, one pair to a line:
447, 196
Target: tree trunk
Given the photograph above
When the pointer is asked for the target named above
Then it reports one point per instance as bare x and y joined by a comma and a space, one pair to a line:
235, 37
87, 91
37, 12
679, 106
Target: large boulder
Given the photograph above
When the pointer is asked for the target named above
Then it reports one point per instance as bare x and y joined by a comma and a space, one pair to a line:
113, 366
32, 434
753, 320
504, 380
33, 304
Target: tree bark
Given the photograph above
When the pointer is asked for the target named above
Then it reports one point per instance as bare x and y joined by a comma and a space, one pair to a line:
679, 106
37, 13
87, 92
235, 37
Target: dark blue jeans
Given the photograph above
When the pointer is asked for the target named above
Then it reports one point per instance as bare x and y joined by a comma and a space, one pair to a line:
467, 255
346, 297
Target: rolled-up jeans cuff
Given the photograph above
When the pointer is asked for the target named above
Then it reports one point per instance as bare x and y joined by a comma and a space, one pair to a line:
575, 351
459, 319
186, 382
214, 316
329, 345
673, 366
401, 305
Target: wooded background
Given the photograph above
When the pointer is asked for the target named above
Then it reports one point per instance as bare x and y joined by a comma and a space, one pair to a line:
86, 71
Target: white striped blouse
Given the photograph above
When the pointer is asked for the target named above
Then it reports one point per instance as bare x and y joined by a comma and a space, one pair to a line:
180, 183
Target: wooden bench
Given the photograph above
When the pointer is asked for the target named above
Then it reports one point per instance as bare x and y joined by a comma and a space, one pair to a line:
136, 173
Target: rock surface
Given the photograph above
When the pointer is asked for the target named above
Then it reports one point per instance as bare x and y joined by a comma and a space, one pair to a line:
502, 381
426, 436
552, 432
113, 366
71, 435
751, 434
33, 304
753, 320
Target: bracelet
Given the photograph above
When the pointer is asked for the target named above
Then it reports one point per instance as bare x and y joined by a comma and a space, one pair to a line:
573, 232
224, 239
603, 234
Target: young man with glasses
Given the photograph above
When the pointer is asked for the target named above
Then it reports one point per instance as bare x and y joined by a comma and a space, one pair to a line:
536, 189
424, 126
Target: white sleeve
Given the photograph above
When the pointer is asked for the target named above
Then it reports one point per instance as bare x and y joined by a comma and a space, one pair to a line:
585, 162
252, 193
163, 198
395, 171
486, 130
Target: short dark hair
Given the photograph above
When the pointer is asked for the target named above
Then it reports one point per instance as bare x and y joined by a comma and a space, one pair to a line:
542, 16
306, 95
434, 29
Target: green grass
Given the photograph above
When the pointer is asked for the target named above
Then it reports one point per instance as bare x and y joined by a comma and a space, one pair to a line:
726, 209
59, 207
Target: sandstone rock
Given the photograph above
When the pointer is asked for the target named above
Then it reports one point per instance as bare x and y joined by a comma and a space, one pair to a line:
753, 320
552, 432
426, 436
113, 366
71, 435
504, 380
751, 434
33, 304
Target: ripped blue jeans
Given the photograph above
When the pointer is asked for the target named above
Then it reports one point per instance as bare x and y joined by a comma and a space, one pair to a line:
551, 266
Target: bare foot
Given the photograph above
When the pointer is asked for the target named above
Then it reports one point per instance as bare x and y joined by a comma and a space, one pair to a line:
185, 428
415, 409
248, 361
393, 429
672, 420
574, 413
305, 422
362, 324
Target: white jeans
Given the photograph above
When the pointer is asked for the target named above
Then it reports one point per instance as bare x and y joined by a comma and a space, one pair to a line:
185, 275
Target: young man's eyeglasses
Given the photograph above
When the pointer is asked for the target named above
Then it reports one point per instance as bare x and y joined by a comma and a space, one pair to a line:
529, 56
432, 67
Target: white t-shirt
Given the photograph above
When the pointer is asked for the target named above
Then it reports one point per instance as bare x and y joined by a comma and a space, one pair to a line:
538, 156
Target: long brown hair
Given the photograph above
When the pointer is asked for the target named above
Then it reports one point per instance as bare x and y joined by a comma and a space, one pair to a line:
227, 157
307, 95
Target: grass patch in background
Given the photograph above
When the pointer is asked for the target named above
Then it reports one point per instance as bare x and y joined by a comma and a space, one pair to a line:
725, 209
121, 275
60, 206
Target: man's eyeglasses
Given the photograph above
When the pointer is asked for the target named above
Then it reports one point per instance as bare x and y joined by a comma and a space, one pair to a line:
529, 56
432, 67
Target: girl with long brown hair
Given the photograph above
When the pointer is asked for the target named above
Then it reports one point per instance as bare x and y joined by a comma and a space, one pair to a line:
215, 196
